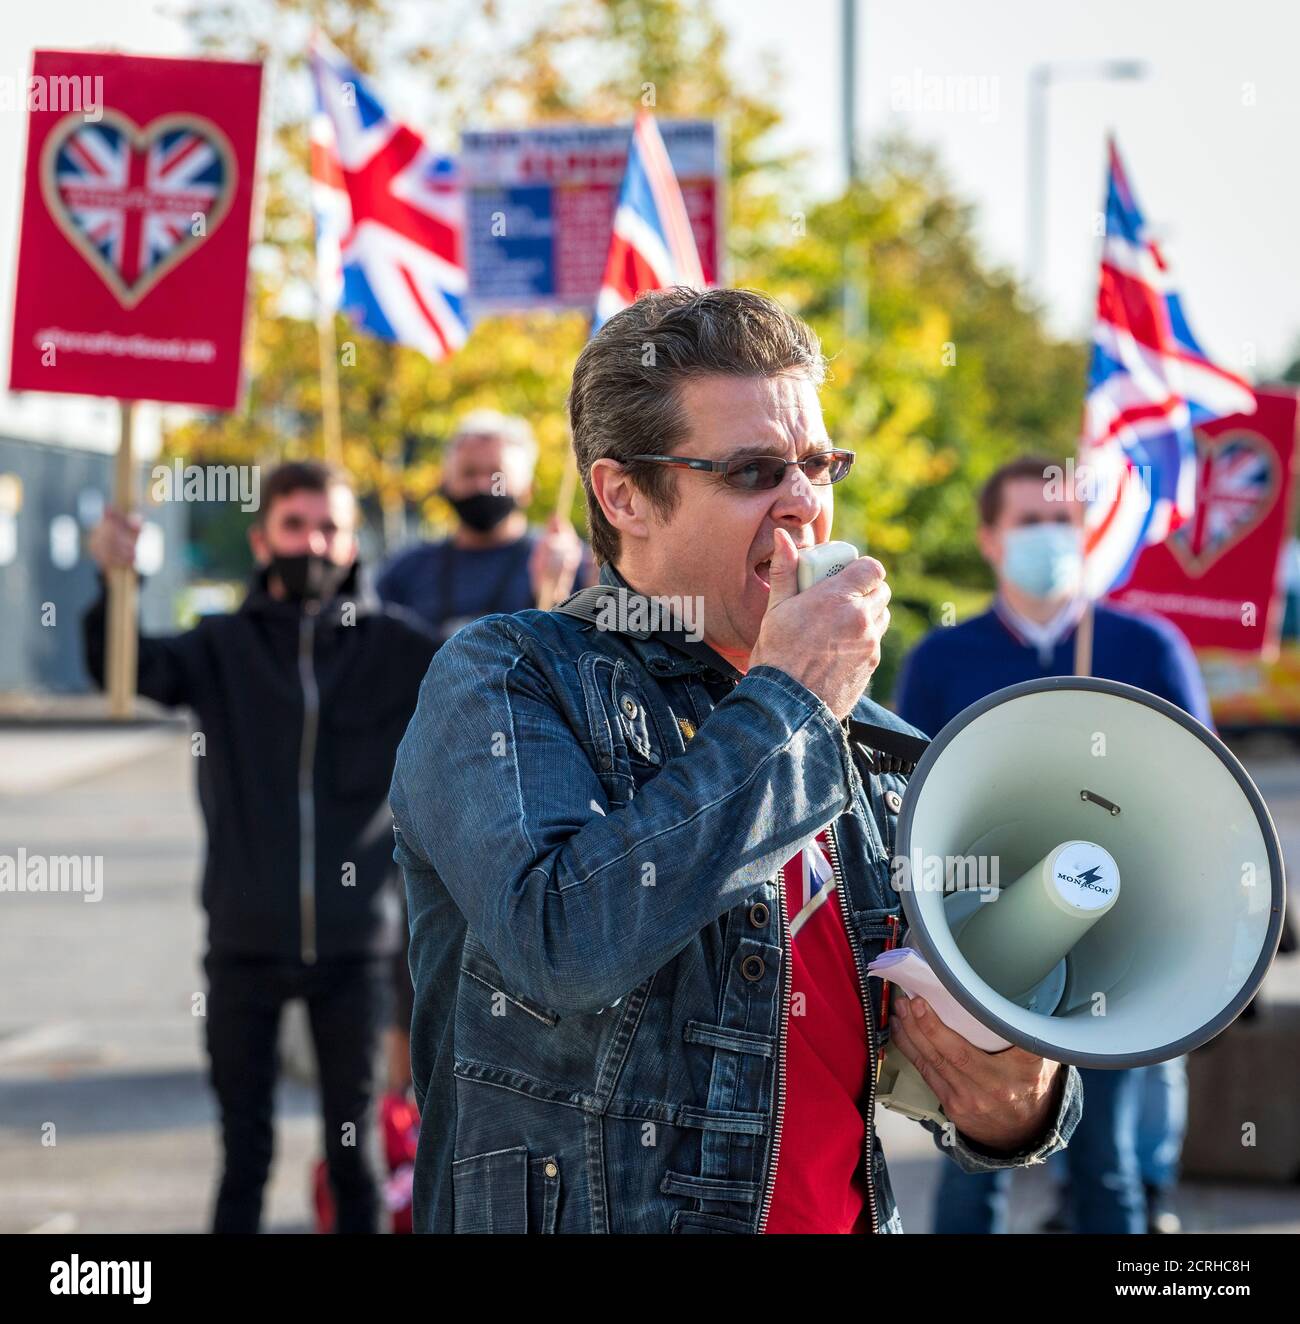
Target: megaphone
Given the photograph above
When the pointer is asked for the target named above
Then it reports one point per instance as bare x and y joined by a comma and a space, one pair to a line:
823, 560
1089, 873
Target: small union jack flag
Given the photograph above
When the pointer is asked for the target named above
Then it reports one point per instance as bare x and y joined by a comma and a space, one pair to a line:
652, 246
1236, 485
390, 216
809, 881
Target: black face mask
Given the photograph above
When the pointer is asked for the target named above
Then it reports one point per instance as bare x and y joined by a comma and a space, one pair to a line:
309, 578
484, 510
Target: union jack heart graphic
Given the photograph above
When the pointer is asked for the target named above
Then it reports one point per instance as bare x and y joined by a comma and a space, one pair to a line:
1236, 485
136, 202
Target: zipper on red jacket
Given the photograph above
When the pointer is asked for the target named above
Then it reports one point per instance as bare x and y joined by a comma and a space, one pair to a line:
859, 965
307, 782
774, 1149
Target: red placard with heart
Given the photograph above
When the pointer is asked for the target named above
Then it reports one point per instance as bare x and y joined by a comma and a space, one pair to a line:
1216, 576
133, 256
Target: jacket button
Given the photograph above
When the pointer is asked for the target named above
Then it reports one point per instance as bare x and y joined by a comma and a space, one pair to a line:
759, 914
893, 801
629, 708
753, 968
551, 1169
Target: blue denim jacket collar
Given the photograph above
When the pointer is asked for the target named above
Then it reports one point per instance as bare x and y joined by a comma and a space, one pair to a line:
674, 653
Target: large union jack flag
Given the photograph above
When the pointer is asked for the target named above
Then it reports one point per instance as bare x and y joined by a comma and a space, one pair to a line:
389, 216
133, 201
1149, 385
652, 246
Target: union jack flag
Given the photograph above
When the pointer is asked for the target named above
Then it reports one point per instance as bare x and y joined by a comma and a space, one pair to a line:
389, 216
1149, 385
652, 246
134, 203
809, 882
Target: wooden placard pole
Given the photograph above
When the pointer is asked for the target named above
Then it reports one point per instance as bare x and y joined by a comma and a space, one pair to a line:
122, 585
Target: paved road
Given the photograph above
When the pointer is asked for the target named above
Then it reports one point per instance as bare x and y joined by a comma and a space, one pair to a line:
101, 1053
97, 1035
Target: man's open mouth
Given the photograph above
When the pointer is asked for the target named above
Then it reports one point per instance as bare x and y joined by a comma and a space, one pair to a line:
764, 572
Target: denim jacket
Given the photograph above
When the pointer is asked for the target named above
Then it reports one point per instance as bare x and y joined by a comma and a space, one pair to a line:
592, 827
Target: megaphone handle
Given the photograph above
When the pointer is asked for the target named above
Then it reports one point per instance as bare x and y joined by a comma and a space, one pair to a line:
903, 1090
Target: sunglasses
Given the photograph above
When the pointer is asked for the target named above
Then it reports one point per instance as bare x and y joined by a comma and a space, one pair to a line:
760, 473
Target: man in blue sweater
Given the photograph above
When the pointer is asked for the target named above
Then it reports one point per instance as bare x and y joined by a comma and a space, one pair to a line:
1032, 540
1034, 546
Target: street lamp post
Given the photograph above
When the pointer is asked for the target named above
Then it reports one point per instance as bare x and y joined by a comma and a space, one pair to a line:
849, 87
1041, 79
853, 304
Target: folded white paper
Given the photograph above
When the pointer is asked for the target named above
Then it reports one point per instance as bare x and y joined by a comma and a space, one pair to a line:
907, 968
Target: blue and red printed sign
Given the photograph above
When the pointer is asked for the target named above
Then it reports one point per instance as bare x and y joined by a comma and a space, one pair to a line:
540, 208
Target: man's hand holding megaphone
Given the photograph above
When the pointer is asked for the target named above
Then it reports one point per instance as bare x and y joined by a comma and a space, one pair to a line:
828, 638
999, 1100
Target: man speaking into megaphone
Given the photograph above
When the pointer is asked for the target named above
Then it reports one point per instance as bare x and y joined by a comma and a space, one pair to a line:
646, 837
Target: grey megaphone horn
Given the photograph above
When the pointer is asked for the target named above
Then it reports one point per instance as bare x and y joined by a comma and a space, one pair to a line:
1089, 873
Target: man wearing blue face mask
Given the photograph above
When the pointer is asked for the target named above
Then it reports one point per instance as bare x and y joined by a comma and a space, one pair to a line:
1033, 543
1120, 1171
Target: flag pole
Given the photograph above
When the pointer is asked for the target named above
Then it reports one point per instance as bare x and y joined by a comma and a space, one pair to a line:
121, 662
1083, 642
330, 408
331, 412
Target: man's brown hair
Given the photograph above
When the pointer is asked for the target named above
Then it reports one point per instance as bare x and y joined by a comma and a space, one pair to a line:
298, 476
625, 397
1024, 466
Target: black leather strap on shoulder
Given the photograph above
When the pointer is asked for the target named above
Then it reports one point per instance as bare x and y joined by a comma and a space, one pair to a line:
587, 605
592, 605
890, 750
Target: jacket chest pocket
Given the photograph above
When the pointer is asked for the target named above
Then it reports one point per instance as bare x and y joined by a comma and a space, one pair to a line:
624, 734
878, 928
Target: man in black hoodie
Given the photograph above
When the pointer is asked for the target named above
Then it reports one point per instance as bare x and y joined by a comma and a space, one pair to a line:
302, 696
